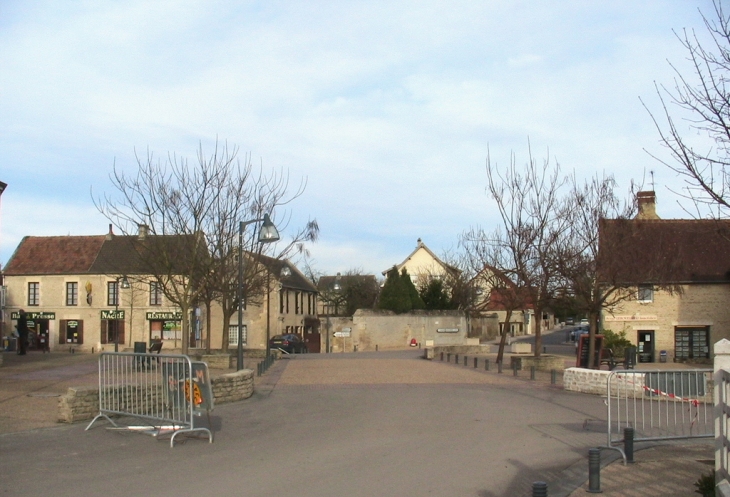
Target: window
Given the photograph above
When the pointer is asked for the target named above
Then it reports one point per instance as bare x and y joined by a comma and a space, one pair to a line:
112, 331
72, 331
692, 342
72, 293
645, 293
297, 302
34, 294
155, 293
112, 293
233, 335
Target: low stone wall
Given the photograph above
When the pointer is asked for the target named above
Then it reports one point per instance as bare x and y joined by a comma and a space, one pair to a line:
542, 363
586, 380
82, 403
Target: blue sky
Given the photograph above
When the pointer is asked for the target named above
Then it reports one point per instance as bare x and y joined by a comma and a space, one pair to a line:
387, 109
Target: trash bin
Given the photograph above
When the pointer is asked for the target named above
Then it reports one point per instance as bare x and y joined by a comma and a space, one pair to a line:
140, 347
663, 356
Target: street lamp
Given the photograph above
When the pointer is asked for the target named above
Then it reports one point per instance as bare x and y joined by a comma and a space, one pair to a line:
124, 284
267, 234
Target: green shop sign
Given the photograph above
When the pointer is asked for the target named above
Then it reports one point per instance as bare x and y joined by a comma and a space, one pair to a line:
34, 315
164, 316
112, 315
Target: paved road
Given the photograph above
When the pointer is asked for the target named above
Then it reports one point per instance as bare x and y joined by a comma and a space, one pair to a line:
386, 424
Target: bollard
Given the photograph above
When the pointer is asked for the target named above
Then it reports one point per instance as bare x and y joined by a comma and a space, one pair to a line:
486, 364
594, 471
376, 349
544, 349
514, 369
475, 363
465, 360
553, 377
448, 357
258, 369
532, 372
499, 367
442, 356
539, 489
456, 358
629, 444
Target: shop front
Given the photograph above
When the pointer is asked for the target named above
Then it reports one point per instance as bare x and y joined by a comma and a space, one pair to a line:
39, 326
112, 327
165, 327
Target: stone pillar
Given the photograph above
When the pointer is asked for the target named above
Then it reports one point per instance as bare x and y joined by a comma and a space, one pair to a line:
721, 361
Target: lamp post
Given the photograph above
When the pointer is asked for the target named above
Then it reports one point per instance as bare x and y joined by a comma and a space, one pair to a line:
124, 284
336, 288
267, 234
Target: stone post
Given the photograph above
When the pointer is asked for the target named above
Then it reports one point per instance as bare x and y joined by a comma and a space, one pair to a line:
721, 361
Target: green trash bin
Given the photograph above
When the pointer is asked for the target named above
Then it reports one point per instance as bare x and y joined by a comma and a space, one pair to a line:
663, 356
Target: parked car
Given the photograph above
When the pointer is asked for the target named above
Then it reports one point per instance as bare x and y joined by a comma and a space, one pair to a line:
584, 322
291, 344
569, 321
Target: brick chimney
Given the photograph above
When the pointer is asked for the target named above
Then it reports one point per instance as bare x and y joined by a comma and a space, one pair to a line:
647, 205
110, 235
143, 231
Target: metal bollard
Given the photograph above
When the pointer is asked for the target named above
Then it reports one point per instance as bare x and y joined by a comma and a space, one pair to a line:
539, 489
465, 360
486, 364
448, 357
376, 349
594, 471
475, 363
629, 444
514, 369
499, 367
553, 377
544, 349
532, 372
456, 358
442, 356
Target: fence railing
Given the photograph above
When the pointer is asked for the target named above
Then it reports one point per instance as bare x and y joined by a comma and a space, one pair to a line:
167, 391
660, 405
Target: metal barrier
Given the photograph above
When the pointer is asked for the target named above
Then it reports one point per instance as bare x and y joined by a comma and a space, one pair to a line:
167, 391
660, 405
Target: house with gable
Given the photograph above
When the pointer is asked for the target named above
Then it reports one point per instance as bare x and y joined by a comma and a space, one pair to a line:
677, 277
423, 266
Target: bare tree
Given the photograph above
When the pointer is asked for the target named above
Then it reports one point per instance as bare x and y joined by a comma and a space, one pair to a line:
532, 213
191, 213
700, 151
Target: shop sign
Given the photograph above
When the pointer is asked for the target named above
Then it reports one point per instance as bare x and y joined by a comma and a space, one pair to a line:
34, 315
164, 316
447, 330
635, 317
112, 315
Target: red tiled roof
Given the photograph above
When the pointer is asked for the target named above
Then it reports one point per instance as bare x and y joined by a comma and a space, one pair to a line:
54, 255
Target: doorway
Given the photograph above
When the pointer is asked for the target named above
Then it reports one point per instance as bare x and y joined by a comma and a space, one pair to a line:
646, 346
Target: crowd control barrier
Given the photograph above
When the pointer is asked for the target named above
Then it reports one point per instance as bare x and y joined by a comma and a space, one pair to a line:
660, 405
168, 392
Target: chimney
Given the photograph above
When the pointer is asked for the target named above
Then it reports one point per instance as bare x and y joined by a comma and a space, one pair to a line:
110, 235
647, 205
143, 231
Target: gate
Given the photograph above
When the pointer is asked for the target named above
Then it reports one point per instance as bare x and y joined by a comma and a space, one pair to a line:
660, 405
167, 391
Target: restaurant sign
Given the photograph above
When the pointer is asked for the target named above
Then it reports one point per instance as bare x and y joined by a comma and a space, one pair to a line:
164, 316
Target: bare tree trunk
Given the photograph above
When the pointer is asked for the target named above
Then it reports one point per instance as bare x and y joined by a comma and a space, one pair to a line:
503, 338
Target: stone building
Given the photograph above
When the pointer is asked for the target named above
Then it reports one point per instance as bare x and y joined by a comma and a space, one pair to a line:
676, 277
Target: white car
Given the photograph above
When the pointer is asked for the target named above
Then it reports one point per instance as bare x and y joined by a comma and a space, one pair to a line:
584, 322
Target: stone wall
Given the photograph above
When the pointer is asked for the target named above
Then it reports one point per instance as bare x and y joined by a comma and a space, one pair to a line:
82, 403
385, 330
586, 380
543, 363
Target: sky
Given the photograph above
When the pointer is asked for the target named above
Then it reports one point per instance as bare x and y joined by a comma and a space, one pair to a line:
386, 109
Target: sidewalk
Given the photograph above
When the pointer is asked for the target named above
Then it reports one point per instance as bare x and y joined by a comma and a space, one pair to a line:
666, 470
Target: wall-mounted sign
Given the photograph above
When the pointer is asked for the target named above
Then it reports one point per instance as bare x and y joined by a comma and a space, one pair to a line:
112, 315
342, 334
164, 316
34, 315
646, 317
447, 330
